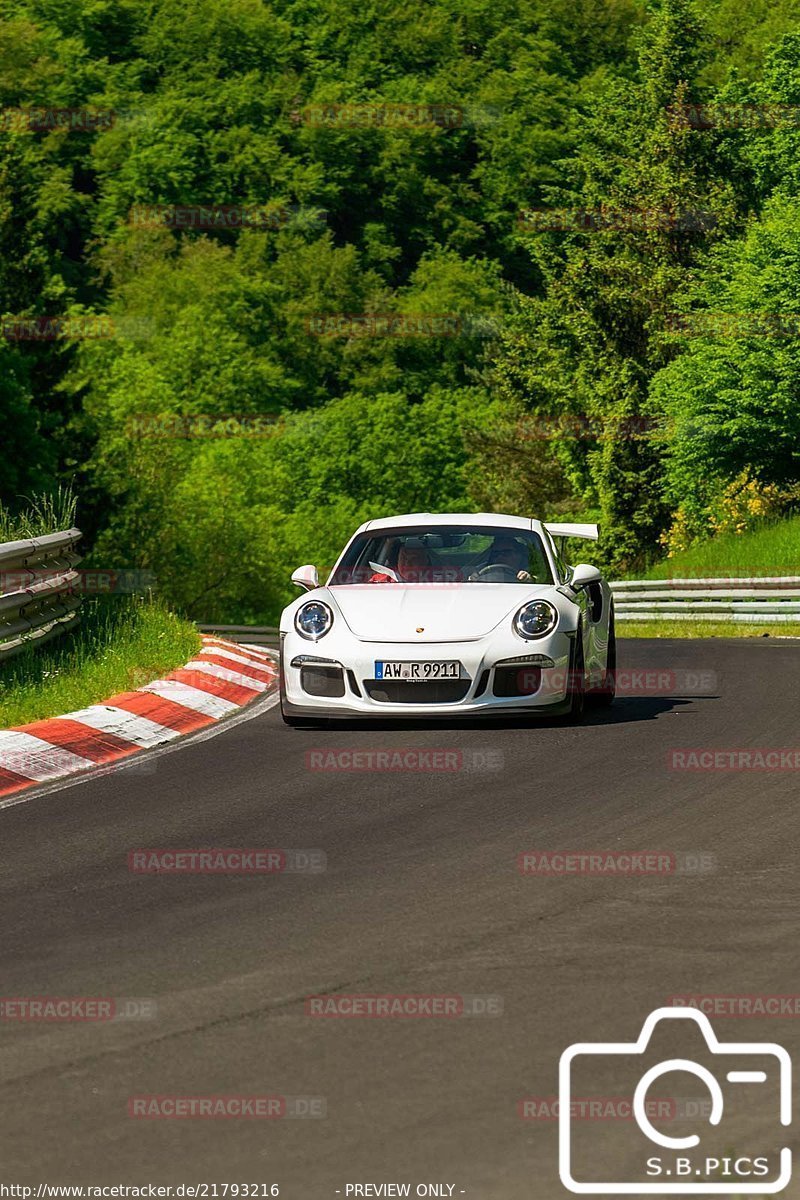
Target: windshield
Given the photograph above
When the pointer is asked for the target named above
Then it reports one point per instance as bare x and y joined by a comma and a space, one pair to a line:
445, 554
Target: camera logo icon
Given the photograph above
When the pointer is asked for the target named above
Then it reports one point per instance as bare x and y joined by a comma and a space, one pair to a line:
689, 1164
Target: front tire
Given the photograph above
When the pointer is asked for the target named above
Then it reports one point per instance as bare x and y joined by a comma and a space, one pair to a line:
577, 682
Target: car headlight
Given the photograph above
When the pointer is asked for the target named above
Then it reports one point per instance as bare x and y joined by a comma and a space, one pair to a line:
313, 620
536, 619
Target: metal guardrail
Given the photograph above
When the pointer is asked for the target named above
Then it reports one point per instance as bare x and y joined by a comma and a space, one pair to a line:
37, 590
765, 600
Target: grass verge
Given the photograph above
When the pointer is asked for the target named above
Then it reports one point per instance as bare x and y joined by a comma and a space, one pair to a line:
771, 549
49, 513
702, 629
120, 644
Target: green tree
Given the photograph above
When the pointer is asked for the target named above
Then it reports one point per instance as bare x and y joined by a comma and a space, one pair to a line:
588, 347
730, 400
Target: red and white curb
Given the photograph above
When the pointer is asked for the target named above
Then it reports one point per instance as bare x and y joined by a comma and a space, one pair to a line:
221, 679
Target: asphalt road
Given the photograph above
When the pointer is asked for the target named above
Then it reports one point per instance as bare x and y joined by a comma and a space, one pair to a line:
422, 895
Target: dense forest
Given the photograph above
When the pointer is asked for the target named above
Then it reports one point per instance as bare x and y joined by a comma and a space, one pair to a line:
267, 270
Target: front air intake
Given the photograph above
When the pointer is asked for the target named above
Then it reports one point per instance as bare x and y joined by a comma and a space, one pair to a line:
319, 680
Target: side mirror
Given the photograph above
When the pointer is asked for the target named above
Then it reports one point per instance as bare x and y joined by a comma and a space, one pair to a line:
583, 575
306, 577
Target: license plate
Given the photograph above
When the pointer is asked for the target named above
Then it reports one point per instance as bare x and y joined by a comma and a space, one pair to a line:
415, 671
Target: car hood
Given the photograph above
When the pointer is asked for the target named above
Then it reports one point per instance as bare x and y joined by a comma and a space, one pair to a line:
395, 612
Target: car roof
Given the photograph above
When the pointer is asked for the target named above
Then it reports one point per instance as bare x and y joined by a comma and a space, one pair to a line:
433, 519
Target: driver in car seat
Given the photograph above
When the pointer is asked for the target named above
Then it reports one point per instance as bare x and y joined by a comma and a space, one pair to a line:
508, 552
413, 565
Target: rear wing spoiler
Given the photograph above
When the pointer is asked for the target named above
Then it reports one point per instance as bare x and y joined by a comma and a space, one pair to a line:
558, 530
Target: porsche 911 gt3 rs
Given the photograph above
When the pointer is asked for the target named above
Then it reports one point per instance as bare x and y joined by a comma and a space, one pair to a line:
447, 614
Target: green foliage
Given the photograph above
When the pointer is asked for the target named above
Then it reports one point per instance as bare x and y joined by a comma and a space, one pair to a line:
120, 643
587, 345
664, 628
243, 512
743, 34
47, 513
730, 399
771, 548
558, 103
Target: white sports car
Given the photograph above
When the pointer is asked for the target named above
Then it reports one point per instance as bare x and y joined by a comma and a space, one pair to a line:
449, 614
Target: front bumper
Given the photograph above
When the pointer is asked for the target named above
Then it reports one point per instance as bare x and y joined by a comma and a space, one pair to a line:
480, 676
